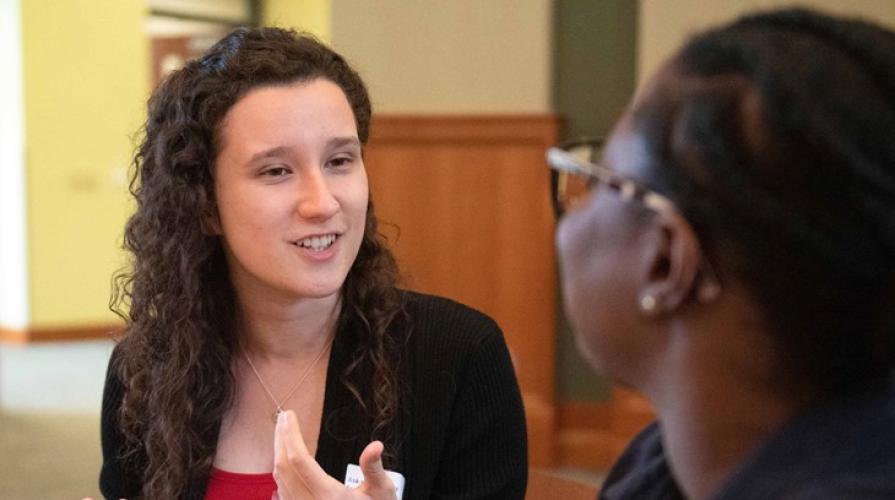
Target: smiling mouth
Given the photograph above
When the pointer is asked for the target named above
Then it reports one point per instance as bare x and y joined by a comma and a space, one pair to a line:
318, 243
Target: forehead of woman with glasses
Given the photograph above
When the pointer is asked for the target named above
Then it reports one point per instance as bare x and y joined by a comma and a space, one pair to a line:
730, 252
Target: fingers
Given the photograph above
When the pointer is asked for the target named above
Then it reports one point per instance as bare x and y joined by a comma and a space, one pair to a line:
295, 470
289, 484
299, 476
376, 481
371, 460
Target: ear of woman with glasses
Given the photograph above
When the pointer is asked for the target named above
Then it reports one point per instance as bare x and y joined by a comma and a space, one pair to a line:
730, 253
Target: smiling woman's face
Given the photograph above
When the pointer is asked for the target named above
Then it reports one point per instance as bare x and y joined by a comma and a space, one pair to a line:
291, 190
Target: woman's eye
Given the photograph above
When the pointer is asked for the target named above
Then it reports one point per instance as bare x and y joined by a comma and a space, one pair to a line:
276, 172
340, 161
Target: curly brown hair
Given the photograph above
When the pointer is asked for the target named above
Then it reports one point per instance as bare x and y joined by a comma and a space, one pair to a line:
176, 297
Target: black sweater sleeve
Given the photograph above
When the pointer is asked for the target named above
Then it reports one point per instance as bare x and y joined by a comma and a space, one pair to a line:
468, 439
485, 454
114, 481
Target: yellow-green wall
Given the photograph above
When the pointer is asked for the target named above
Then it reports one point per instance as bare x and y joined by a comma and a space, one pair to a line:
86, 81
449, 57
308, 15
85, 85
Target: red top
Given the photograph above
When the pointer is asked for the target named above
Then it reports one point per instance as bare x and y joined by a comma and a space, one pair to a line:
223, 485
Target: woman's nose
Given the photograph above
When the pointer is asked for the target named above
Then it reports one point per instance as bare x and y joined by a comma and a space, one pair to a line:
316, 199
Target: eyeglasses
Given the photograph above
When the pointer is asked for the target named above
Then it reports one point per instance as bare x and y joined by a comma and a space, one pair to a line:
575, 172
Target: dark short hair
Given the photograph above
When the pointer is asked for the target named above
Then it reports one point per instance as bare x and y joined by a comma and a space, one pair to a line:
776, 136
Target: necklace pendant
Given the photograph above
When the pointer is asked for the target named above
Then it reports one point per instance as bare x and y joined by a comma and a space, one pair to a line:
274, 417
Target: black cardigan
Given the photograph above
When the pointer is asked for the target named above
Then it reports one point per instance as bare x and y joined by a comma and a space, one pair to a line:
462, 426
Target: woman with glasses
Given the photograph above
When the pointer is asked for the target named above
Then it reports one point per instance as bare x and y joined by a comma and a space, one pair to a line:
730, 253
268, 351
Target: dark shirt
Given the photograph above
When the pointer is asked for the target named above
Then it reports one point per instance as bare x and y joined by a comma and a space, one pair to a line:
462, 427
642, 471
843, 449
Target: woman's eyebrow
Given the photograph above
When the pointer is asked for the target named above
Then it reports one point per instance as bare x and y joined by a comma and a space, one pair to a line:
280, 151
277, 151
337, 142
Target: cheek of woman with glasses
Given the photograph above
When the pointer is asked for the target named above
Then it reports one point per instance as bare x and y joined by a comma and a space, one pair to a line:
729, 253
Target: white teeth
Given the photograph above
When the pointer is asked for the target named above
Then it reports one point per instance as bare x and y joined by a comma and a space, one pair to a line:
318, 243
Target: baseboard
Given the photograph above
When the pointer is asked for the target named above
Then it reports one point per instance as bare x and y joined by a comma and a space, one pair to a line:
592, 435
540, 418
13, 336
59, 334
588, 449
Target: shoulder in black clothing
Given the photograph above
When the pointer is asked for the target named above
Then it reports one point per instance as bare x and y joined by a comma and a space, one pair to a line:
119, 477
642, 472
463, 426
468, 427
432, 316
841, 449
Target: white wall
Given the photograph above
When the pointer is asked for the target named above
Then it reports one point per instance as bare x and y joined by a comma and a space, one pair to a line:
665, 25
456, 56
13, 261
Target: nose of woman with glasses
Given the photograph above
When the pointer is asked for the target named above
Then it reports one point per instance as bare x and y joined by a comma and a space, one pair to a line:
728, 252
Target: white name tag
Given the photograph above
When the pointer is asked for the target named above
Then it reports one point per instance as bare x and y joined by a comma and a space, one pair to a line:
354, 476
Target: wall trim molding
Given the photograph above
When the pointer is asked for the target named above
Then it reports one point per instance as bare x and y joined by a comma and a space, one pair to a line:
60, 334
591, 435
470, 129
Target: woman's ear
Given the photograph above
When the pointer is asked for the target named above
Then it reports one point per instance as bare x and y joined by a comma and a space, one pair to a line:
671, 263
210, 222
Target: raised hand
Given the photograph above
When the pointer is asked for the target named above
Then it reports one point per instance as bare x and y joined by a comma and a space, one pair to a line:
299, 476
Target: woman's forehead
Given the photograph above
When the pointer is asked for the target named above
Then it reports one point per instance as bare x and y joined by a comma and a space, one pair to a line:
627, 151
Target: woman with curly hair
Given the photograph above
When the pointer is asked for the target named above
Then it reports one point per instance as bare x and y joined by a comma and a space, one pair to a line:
267, 348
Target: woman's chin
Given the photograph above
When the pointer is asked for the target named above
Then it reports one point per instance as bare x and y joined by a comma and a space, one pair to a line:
319, 290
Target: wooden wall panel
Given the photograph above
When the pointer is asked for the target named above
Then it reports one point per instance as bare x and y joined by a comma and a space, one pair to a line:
469, 201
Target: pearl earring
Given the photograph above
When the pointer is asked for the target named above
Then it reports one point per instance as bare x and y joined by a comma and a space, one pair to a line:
648, 303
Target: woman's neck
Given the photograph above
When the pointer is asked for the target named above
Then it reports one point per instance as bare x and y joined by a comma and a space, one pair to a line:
280, 330
709, 434
718, 400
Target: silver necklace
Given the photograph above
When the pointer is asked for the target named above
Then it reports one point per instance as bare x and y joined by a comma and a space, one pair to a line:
279, 404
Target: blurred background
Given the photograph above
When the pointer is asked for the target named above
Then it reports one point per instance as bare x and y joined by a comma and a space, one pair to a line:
467, 95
